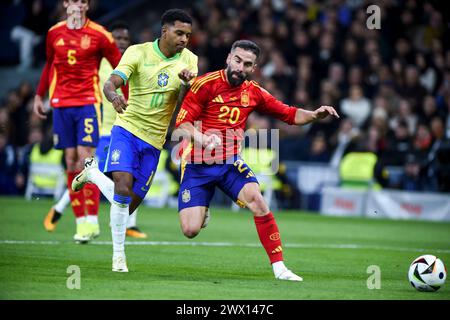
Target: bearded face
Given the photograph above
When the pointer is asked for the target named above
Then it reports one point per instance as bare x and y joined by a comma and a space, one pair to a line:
240, 65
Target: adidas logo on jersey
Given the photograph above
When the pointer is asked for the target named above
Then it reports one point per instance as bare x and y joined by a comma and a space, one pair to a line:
88, 138
218, 99
60, 42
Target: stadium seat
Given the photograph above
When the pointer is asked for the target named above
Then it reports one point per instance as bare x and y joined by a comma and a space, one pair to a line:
46, 174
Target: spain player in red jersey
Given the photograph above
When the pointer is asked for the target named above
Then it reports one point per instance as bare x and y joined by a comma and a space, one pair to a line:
220, 103
74, 50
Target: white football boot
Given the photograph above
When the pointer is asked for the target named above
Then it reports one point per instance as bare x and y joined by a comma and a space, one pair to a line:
82, 178
288, 275
84, 234
119, 263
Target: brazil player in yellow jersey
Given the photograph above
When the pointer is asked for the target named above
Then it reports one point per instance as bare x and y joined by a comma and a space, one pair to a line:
121, 34
158, 74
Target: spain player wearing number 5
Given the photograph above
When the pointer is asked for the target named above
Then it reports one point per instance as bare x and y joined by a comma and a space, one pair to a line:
221, 102
74, 50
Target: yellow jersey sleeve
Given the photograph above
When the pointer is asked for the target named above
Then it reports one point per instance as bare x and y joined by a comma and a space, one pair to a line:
154, 87
128, 64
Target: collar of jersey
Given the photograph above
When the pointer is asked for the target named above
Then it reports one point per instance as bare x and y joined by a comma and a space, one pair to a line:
156, 48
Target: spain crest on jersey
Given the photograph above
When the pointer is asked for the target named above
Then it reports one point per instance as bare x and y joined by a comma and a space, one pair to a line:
85, 42
163, 79
245, 99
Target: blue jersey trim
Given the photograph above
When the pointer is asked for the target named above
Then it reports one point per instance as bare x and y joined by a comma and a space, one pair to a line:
124, 200
122, 75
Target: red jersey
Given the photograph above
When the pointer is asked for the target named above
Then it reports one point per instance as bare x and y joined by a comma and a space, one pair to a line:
73, 60
224, 109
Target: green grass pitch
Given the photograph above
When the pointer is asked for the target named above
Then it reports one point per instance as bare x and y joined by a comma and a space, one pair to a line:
225, 262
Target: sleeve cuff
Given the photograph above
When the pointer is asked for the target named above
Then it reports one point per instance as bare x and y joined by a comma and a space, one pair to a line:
122, 75
292, 115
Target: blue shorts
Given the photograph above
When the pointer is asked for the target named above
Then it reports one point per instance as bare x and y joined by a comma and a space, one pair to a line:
75, 126
130, 154
199, 181
102, 151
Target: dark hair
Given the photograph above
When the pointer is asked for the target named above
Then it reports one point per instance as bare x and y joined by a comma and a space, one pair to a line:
118, 25
247, 45
172, 15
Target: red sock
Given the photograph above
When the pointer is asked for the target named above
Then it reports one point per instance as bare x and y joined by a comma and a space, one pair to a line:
76, 198
92, 196
269, 236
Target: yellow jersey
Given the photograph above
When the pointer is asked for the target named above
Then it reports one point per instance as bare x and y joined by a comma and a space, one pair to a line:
108, 111
153, 87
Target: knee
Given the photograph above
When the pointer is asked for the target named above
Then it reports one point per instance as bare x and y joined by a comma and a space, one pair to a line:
257, 204
190, 231
122, 188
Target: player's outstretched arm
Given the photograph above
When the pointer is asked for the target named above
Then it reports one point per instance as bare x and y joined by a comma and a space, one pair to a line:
303, 116
109, 89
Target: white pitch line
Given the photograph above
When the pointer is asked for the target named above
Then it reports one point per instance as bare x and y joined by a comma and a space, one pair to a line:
233, 244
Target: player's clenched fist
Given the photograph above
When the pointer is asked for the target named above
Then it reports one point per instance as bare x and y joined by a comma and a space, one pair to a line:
119, 103
212, 141
38, 108
186, 75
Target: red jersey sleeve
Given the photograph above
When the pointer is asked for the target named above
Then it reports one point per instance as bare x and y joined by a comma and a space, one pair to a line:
125, 89
275, 108
193, 104
45, 76
110, 51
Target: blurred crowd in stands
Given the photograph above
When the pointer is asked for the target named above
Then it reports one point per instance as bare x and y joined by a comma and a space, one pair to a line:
391, 86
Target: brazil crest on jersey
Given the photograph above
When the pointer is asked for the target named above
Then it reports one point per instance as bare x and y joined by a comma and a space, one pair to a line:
154, 86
